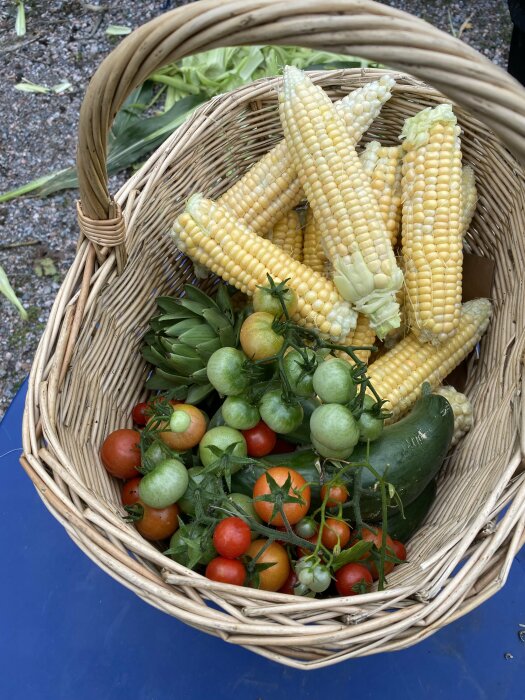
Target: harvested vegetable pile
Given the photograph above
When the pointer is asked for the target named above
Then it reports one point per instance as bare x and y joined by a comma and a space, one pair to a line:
277, 452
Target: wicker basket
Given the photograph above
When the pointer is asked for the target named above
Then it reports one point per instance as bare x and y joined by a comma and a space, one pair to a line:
88, 370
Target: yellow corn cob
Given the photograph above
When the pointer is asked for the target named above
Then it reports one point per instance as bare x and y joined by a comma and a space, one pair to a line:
288, 235
431, 234
363, 334
353, 233
469, 197
398, 375
386, 185
270, 188
462, 410
313, 254
212, 236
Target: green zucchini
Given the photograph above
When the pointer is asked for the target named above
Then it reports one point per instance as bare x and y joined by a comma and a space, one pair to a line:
408, 454
402, 529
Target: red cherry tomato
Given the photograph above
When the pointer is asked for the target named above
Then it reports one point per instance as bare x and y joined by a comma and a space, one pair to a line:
120, 453
232, 537
155, 523
338, 494
335, 532
399, 550
353, 579
282, 447
260, 440
226, 571
371, 560
288, 585
139, 413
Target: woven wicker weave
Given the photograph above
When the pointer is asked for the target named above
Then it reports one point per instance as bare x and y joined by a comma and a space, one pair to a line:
88, 372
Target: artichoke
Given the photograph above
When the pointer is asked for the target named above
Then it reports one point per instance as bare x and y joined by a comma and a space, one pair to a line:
184, 335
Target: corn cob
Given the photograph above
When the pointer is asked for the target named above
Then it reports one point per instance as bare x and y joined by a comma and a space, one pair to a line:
211, 235
288, 235
431, 235
399, 374
368, 157
469, 197
363, 334
270, 188
353, 233
386, 185
313, 254
462, 410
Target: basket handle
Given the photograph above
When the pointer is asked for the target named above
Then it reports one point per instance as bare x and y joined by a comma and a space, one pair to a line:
357, 27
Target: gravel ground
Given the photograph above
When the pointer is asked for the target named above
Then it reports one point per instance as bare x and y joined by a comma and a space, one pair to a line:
66, 40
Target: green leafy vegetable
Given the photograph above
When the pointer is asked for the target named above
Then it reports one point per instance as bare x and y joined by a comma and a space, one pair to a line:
118, 30
151, 113
9, 293
20, 23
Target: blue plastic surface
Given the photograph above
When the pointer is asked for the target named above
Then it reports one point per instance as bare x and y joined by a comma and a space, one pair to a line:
69, 631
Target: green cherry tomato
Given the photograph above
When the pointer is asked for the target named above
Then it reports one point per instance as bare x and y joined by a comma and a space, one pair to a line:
155, 454
300, 374
239, 413
370, 426
307, 527
165, 484
321, 579
225, 371
333, 381
264, 300
222, 437
280, 415
334, 430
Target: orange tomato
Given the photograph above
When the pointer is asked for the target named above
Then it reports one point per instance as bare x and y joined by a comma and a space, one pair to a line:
298, 489
274, 577
192, 430
334, 532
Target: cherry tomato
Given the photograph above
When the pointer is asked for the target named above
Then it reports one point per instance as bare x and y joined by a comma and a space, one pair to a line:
306, 527
272, 578
370, 426
120, 453
155, 524
290, 583
226, 571
335, 532
375, 536
298, 489
258, 339
399, 550
185, 428
139, 413
337, 494
282, 447
264, 300
232, 537
353, 579
260, 440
